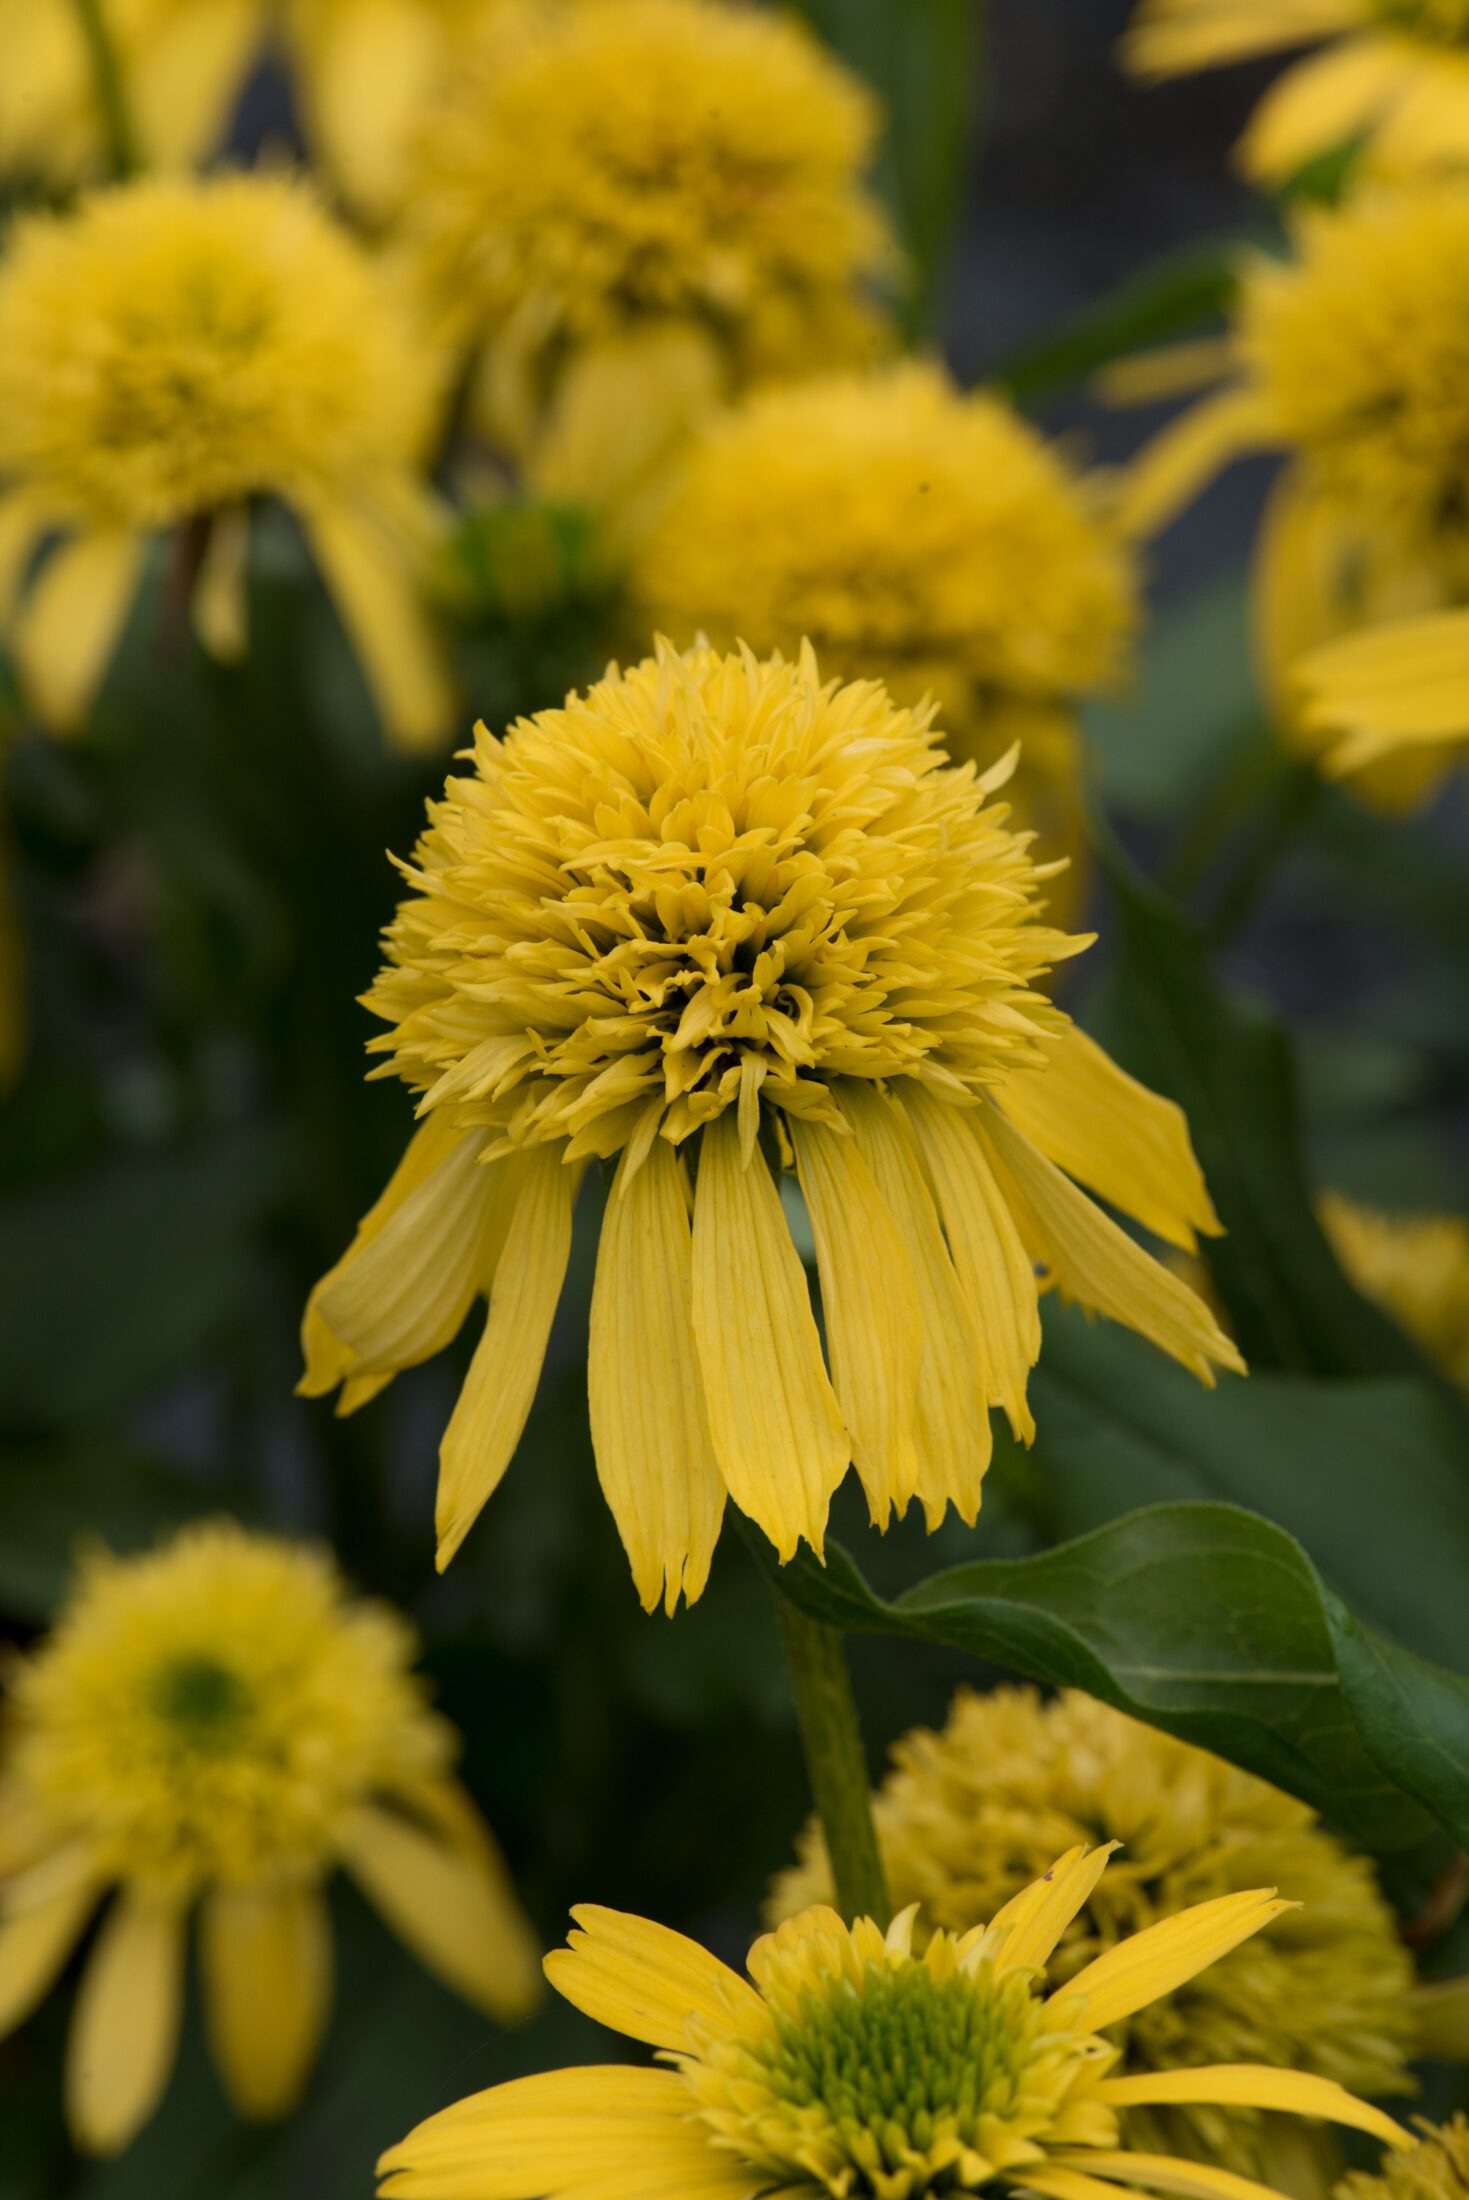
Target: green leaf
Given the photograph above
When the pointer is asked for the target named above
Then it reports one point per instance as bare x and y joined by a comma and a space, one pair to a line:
1179, 296
1227, 1063
1211, 1624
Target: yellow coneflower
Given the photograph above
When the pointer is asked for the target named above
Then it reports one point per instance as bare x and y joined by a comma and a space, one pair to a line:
1436, 2169
1394, 73
849, 2066
180, 62
1353, 360
216, 1727
170, 352
1416, 1267
920, 537
970, 1814
715, 921
578, 189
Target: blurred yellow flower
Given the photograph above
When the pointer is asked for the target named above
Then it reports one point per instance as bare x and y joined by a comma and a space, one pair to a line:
716, 920
1436, 2169
1394, 72
181, 64
1416, 1267
688, 170
1353, 359
170, 352
969, 1815
216, 1725
1391, 690
847, 2065
920, 537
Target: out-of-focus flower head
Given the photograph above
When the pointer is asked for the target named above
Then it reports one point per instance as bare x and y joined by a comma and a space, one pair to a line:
969, 1814
715, 921
170, 352
920, 537
1436, 2169
216, 1727
847, 2065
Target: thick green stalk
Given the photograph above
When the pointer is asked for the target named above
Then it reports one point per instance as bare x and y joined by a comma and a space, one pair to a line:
835, 1760
122, 148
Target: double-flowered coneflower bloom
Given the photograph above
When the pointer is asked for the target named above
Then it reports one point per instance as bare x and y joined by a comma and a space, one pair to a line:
1436, 2169
1393, 73
666, 196
215, 1728
918, 536
170, 353
970, 1814
1352, 359
716, 922
848, 2065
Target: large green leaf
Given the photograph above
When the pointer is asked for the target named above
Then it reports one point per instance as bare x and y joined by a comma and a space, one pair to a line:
1214, 1625
1227, 1063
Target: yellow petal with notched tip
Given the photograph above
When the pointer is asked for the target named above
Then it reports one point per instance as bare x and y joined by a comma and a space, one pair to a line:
1037, 1917
644, 1981
1162, 1957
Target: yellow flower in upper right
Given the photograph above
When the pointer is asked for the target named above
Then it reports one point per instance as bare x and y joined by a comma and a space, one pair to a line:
1351, 358
1394, 73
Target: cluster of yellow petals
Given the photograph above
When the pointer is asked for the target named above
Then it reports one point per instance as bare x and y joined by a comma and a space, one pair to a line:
719, 920
216, 1724
848, 2065
970, 1814
171, 351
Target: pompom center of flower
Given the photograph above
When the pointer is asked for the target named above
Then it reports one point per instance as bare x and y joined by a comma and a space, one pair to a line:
204, 1702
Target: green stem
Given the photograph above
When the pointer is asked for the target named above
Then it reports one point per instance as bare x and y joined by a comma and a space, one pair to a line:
122, 147
836, 1762
1298, 794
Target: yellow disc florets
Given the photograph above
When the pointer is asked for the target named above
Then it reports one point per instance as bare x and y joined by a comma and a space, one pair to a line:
711, 883
175, 347
970, 1815
1360, 349
594, 166
213, 1712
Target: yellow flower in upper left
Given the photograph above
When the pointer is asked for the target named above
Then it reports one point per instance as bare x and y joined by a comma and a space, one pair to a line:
171, 352
216, 1726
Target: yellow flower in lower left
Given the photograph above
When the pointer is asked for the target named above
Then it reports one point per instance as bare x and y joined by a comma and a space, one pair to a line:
216, 1726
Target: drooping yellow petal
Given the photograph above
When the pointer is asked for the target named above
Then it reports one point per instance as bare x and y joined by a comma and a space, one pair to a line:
71, 621
655, 1459
1175, 37
993, 1266
186, 77
459, 1915
125, 2029
644, 1981
500, 1388
1172, 370
38, 1931
404, 1289
1168, 2173
1253, 2085
266, 1954
221, 608
1186, 455
372, 580
1320, 105
1154, 1962
1127, 1144
778, 1433
365, 69
869, 1300
1099, 1265
1036, 1918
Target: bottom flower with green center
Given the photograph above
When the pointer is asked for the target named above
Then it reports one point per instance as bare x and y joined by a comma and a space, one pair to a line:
847, 2065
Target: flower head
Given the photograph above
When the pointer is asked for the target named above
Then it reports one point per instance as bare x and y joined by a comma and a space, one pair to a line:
216, 1724
1436, 2169
969, 1815
1394, 73
1416, 1268
715, 921
170, 352
848, 2065
580, 180
918, 536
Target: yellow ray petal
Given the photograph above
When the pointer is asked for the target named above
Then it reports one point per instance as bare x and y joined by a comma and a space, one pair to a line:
644, 1981
953, 1422
1175, 37
1155, 1961
125, 2030
1253, 2085
655, 1458
1127, 1144
266, 1954
1321, 104
778, 1435
71, 621
1167, 2173
37, 1936
460, 1917
1172, 370
187, 76
371, 578
869, 1299
1038, 1916
1184, 457
1099, 1266
365, 72
221, 608
993, 1267
500, 1388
